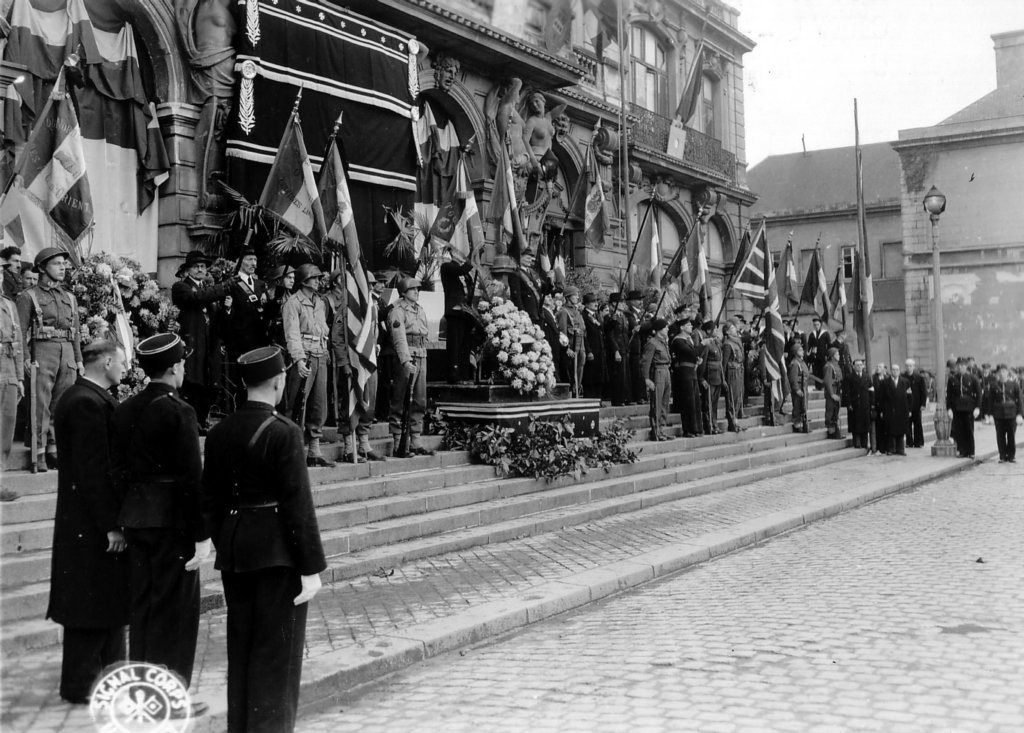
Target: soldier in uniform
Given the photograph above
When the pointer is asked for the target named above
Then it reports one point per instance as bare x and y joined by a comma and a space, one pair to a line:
833, 383
735, 365
258, 508
685, 361
712, 376
158, 466
616, 334
12, 373
634, 319
244, 322
963, 400
799, 381
387, 362
198, 303
89, 592
50, 326
656, 363
408, 325
306, 334
526, 290
459, 321
595, 373
572, 337
1007, 405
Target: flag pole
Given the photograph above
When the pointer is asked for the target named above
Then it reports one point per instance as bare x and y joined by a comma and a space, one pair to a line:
636, 244
865, 313
623, 146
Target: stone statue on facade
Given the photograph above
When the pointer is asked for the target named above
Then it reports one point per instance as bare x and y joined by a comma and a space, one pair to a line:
539, 134
207, 29
446, 71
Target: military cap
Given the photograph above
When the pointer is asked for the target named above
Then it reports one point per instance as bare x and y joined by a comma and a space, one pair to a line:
961, 360
658, 323
680, 309
335, 276
708, 326
307, 272
280, 272
591, 297
193, 258
407, 284
159, 353
634, 295
247, 252
48, 253
615, 297
571, 290
261, 364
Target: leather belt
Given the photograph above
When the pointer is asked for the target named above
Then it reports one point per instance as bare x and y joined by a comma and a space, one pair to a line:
53, 334
688, 364
254, 507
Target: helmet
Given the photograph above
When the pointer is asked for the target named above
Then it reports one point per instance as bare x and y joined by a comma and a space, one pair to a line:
47, 254
408, 283
307, 271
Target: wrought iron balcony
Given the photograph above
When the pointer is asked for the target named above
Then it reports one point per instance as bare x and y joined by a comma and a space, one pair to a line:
651, 131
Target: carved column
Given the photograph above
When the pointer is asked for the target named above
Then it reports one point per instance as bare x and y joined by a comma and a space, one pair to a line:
178, 197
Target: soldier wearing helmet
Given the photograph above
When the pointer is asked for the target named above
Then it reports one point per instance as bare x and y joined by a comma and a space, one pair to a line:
407, 323
50, 326
306, 334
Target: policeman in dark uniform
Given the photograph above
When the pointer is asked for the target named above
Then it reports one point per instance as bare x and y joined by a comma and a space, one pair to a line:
50, 326
158, 466
963, 400
258, 507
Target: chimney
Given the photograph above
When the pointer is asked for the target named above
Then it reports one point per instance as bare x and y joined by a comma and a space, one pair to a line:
1009, 58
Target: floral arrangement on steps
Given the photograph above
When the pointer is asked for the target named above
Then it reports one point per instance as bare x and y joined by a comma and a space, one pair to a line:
516, 348
149, 310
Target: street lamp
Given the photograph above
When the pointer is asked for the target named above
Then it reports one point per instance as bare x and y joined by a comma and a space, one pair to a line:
935, 204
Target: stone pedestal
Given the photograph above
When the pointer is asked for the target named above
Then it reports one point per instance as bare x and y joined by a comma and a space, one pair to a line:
943, 447
485, 404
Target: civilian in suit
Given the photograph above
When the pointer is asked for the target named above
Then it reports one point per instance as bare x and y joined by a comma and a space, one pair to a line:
895, 396
526, 289
963, 400
919, 387
595, 372
857, 396
243, 317
89, 591
198, 304
881, 431
616, 336
634, 318
549, 323
459, 320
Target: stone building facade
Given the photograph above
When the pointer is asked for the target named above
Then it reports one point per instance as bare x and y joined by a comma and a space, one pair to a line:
975, 158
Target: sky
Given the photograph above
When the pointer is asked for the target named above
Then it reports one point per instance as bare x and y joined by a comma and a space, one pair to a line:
909, 63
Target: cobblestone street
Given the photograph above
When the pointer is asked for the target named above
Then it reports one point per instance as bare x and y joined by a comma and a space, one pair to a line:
907, 614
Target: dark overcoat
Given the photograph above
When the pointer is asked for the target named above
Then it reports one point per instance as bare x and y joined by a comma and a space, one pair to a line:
198, 312
595, 372
857, 396
894, 399
245, 327
88, 585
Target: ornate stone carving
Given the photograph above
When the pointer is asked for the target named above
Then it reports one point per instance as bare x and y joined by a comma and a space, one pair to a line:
446, 71
207, 29
563, 126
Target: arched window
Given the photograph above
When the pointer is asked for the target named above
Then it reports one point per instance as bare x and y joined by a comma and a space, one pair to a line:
649, 71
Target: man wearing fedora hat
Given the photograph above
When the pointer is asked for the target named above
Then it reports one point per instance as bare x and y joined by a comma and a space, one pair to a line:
634, 319
307, 334
198, 304
595, 373
616, 335
158, 466
258, 508
51, 328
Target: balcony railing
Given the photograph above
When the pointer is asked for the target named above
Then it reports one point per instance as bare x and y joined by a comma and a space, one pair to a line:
651, 131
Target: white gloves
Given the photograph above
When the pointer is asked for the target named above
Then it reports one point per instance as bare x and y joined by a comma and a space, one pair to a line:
310, 585
202, 552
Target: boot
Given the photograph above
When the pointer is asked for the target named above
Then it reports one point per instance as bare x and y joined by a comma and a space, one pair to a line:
418, 450
368, 453
314, 457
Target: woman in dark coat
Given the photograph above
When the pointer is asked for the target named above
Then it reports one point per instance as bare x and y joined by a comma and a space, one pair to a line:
857, 396
89, 593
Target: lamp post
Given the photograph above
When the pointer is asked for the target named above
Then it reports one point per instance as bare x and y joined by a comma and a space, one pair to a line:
935, 204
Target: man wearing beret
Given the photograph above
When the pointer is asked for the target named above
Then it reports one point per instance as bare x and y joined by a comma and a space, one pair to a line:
51, 328
711, 375
656, 363
258, 508
685, 361
157, 465
306, 334
198, 304
89, 592
408, 325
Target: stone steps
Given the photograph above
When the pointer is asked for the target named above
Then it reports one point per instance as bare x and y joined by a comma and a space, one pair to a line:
401, 504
